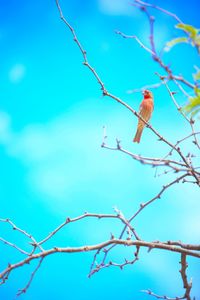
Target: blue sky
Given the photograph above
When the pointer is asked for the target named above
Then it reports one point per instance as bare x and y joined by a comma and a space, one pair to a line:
52, 165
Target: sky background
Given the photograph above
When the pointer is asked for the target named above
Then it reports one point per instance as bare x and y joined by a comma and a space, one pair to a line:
52, 166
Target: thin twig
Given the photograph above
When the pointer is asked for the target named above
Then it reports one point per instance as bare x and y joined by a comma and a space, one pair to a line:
87, 215
14, 227
150, 293
13, 246
23, 291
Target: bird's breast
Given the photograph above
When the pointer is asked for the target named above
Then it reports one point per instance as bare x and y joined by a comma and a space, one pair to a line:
147, 104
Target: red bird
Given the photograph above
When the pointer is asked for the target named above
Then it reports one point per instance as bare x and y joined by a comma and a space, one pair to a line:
146, 109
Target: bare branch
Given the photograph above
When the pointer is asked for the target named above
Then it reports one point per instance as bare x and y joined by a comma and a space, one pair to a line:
141, 207
139, 243
23, 291
71, 220
187, 286
190, 121
14, 227
159, 8
135, 38
150, 293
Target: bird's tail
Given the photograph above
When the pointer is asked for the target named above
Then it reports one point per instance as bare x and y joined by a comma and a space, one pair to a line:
138, 135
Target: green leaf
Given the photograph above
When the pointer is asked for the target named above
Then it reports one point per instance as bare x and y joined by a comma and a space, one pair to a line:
196, 111
193, 106
192, 31
176, 41
197, 43
196, 76
197, 91
197, 40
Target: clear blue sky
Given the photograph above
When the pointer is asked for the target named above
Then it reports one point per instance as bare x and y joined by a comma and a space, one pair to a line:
52, 165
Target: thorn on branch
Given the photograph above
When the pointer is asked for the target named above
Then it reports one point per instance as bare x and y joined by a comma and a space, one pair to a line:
118, 144
105, 93
155, 58
22, 291
143, 8
33, 244
192, 121
112, 236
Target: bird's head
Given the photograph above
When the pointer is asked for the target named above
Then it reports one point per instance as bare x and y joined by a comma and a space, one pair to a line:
147, 94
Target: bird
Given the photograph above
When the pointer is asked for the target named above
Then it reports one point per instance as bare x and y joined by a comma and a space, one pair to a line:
146, 109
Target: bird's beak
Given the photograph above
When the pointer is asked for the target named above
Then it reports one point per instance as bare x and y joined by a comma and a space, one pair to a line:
143, 92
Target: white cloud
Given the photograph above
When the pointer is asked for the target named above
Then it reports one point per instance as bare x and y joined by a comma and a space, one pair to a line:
64, 153
43, 149
47, 151
115, 7
51, 181
17, 73
58, 155
5, 133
